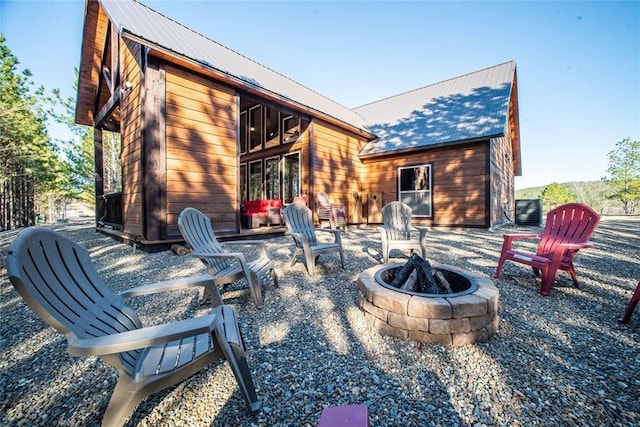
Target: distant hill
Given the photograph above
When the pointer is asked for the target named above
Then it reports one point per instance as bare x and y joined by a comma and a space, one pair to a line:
591, 193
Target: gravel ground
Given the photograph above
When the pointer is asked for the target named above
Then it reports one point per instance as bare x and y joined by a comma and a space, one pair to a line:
557, 360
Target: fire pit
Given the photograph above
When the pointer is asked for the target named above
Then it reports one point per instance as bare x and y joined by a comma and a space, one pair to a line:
466, 315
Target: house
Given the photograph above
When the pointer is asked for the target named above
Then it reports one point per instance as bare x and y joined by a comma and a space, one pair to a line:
203, 126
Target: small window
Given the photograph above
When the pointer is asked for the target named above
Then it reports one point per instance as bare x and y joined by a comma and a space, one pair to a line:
291, 177
255, 128
272, 178
290, 129
272, 128
243, 182
243, 137
415, 189
255, 180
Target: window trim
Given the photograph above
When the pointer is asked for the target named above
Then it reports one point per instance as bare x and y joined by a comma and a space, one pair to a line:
244, 138
275, 141
243, 177
261, 191
264, 174
429, 191
298, 125
252, 129
284, 174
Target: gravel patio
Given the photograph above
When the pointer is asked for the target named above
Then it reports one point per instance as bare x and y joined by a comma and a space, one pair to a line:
557, 360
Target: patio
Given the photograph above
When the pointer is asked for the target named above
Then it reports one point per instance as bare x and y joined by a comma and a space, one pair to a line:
556, 360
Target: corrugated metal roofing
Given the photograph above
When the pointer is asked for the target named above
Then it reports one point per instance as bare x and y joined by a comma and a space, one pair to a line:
145, 23
471, 106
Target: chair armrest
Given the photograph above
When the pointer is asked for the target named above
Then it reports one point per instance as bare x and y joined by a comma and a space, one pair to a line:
259, 243
334, 231
423, 232
222, 255
521, 236
141, 338
168, 285
576, 246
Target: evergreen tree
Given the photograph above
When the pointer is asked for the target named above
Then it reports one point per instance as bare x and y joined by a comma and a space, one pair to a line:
28, 160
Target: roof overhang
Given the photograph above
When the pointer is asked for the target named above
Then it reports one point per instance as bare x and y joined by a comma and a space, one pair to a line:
237, 83
421, 149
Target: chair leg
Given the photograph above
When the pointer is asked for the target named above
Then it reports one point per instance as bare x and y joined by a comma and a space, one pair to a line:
633, 302
124, 399
499, 268
256, 291
229, 338
572, 271
547, 277
310, 260
274, 277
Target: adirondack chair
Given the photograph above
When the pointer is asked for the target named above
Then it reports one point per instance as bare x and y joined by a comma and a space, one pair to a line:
633, 302
225, 267
299, 220
396, 231
58, 281
332, 212
567, 230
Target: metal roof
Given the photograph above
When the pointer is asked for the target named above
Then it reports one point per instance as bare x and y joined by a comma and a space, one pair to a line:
144, 23
472, 106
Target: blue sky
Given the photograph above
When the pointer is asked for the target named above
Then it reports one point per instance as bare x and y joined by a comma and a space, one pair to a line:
578, 62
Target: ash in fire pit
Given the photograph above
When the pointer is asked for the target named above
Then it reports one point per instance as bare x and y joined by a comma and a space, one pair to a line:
417, 277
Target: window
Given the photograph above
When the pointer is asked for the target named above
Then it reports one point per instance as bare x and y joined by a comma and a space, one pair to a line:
291, 177
255, 180
272, 128
243, 182
255, 128
243, 137
290, 129
415, 188
272, 178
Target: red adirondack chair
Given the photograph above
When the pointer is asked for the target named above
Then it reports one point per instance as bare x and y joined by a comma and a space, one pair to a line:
567, 230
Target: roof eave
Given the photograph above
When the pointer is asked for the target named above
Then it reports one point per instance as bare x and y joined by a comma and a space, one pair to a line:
194, 64
414, 150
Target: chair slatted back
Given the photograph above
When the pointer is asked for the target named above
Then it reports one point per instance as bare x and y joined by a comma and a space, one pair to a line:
396, 217
197, 231
299, 219
570, 223
58, 281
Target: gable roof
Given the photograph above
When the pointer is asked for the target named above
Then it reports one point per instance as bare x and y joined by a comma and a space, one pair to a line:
469, 107
139, 22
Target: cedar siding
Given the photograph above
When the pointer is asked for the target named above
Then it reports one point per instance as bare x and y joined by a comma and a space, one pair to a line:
201, 149
132, 171
337, 167
459, 182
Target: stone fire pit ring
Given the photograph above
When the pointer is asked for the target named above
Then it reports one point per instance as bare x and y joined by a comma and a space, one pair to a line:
451, 320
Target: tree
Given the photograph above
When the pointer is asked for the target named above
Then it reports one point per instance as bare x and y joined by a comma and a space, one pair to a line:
624, 173
28, 160
554, 195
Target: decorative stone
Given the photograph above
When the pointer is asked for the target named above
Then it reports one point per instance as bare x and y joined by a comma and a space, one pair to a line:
451, 321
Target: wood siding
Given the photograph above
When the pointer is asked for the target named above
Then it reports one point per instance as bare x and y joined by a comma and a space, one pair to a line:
502, 181
131, 156
201, 149
459, 183
337, 169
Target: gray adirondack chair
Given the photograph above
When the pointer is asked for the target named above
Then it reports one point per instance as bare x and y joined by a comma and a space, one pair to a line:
58, 281
299, 220
396, 231
225, 267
